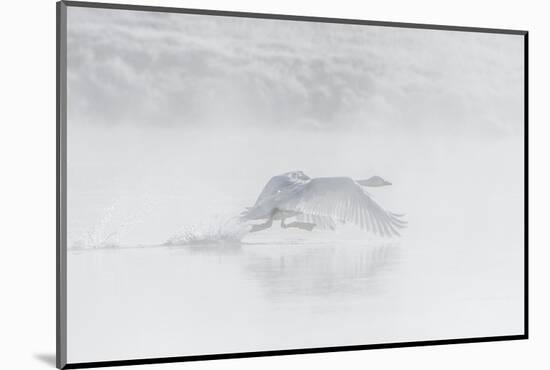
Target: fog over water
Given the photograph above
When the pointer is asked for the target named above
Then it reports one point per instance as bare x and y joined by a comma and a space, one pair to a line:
176, 123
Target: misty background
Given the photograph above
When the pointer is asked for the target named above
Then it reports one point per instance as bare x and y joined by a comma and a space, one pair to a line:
177, 121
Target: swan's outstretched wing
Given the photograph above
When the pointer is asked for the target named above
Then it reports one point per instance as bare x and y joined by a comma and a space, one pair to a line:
342, 199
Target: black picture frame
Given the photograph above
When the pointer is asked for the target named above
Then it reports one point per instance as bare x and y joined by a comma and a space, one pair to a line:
61, 185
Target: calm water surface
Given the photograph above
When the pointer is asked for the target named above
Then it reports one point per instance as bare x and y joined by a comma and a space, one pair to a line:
295, 293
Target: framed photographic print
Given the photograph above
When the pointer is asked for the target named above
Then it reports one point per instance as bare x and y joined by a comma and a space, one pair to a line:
239, 184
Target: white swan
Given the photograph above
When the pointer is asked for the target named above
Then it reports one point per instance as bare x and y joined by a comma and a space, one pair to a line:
322, 202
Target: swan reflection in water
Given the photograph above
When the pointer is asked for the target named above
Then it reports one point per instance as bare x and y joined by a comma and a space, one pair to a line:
322, 270
305, 268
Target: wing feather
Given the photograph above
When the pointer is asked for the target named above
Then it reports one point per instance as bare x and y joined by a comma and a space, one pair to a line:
327, 200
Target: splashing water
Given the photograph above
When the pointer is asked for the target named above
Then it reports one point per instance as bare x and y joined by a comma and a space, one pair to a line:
107, 233
101, 235
221, 230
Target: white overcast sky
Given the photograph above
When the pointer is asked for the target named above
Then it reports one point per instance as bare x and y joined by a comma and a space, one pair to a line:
145, 68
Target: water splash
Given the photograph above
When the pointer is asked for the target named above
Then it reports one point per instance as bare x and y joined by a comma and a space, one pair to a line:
108, 232
221, 230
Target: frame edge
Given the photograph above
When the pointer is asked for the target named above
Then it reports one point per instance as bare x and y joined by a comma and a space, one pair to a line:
61, 180
302, 18
286, 352
526, 183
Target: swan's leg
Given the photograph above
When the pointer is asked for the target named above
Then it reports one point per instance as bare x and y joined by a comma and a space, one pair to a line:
263, 226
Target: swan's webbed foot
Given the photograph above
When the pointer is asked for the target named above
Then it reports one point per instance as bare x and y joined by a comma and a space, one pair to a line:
261, 227
299, 225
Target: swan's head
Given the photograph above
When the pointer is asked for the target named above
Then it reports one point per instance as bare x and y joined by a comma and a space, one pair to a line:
297, 176
374, 181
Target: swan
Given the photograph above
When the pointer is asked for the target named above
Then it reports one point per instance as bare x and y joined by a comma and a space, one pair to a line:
322, 202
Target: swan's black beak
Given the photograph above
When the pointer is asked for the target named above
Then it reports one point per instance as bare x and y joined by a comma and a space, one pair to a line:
374, 181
